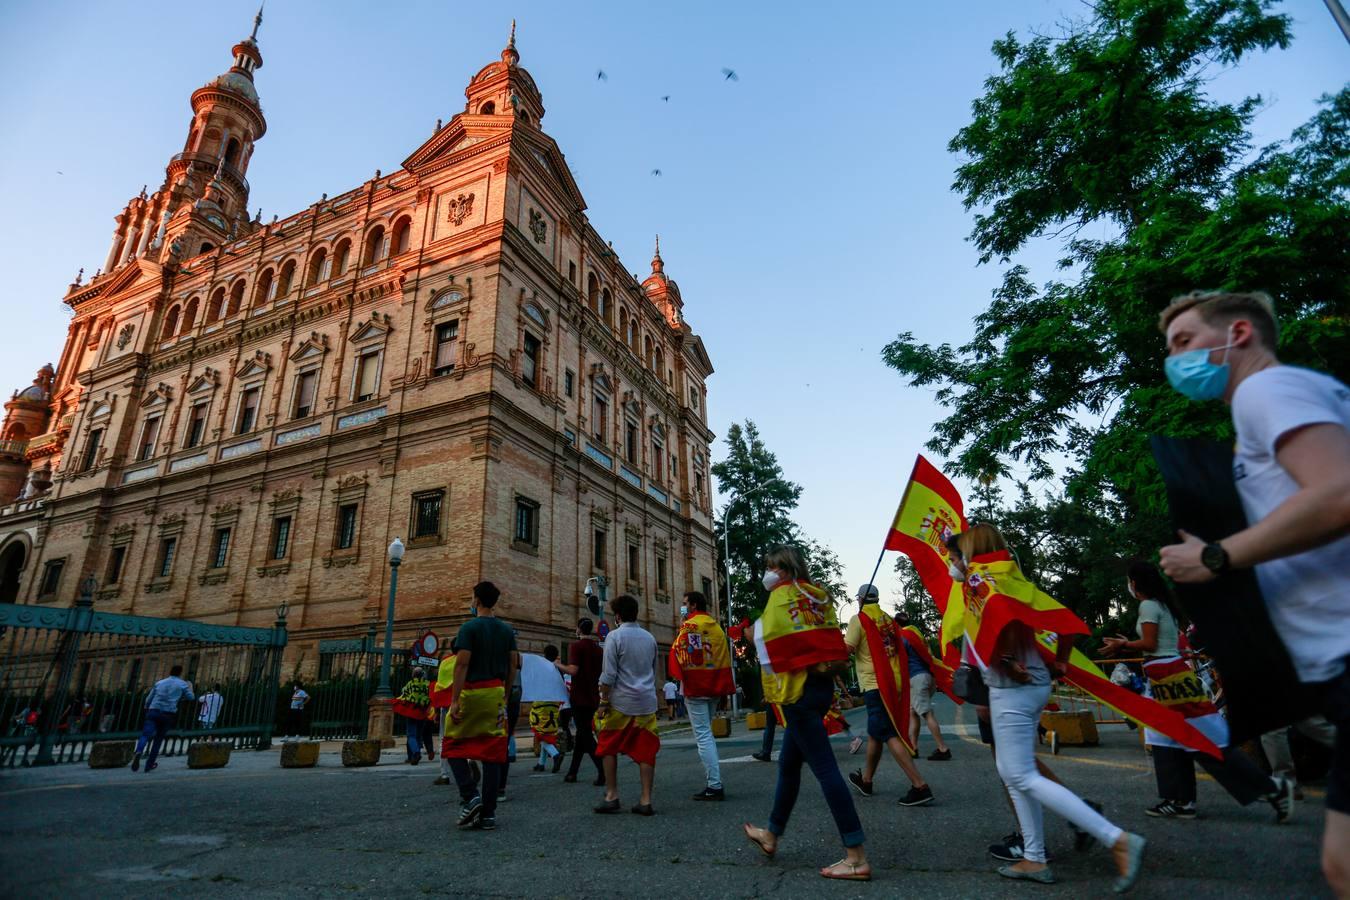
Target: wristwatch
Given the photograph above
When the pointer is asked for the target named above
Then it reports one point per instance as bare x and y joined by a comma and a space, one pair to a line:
1215, 558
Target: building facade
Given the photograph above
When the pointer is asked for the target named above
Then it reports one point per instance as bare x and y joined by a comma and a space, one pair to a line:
247, 413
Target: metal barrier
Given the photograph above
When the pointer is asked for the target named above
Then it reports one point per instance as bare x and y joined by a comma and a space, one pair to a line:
72, 677
349, 671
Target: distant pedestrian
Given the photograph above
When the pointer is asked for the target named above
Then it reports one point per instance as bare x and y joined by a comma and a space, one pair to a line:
587, 661
295, 720
700, 657
25, 725
414, 706
161, 709
626, 720
672, 693
922, 689
209, 706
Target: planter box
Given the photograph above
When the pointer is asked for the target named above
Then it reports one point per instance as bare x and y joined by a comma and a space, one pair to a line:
111, 754
299, 754
1071, 728
208, 755
755, 721
721, 727
361, 753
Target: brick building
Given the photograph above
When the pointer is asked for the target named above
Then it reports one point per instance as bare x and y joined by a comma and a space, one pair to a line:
246, 413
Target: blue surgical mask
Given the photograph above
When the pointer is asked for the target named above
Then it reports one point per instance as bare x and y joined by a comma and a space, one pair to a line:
1194, 377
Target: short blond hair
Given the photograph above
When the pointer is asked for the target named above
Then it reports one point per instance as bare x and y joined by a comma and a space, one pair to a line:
980, 539
1223, 307
788, 560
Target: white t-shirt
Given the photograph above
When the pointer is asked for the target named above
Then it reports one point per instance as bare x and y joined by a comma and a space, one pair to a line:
209, 707
1307, 594
298, 699
672, 690
1153, 611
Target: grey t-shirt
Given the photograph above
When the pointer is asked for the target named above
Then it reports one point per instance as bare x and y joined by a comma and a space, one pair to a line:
630, 670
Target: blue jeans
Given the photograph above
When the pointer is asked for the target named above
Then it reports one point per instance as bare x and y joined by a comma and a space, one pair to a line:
414, 729
701, 711
156, 726
492, 779
805, 740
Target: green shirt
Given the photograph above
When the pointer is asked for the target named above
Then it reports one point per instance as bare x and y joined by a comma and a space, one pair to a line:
490, 641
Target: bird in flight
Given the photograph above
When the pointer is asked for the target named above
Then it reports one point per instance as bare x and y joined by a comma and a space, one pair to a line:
600, 75
730, 75
665, 97
59, 172
656, 171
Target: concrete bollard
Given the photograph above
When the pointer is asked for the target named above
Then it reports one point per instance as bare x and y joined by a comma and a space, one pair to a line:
721, 727
208, 755
111, 754
299, 754
754, 721
361, 753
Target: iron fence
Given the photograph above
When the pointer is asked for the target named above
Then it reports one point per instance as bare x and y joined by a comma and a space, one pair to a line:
349, 672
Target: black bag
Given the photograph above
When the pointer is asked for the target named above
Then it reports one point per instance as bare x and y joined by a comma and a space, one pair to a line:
968, 684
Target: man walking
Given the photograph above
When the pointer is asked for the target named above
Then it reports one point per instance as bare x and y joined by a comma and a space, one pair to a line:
1292, 468
486, 662
627, 715
701, 658
921, 691
161, 708
295, 720
587, 661
672, 692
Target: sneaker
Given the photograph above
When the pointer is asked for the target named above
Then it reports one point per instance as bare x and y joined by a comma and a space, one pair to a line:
557, 763
1009, 849
470, 813
918, 796
1169, 810
1283, 799
711, 794
1081, 839
863, 787
440, 780
940, 755
762, 757
486, 823
538, 767
854, 746
150, 767
136, 763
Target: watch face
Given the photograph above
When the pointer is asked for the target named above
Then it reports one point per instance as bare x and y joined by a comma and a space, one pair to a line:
1214, 557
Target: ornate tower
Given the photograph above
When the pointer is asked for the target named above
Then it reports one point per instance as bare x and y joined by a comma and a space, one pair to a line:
504, 88
27, 415
204, 198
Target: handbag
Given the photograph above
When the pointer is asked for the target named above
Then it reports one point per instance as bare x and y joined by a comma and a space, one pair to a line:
968, 684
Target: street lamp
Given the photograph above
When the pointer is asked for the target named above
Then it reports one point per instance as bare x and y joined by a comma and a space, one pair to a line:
726, 561
395, 557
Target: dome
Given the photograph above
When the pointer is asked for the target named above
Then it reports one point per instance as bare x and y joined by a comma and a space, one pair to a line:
33, 394
236, 82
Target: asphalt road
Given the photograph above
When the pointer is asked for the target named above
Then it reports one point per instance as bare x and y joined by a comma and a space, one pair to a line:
256, 829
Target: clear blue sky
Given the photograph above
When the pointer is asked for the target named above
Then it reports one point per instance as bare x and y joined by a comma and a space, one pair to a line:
805, 210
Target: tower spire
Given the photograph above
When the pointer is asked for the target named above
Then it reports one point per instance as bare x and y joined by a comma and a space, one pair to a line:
257, 20
658, 265
509, 55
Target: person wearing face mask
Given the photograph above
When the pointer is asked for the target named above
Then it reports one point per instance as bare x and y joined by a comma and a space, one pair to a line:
1291, 465
800, 648
1174, 684
586, 662
700, 657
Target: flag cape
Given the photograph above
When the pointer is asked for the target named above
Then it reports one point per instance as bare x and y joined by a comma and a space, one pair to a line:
634, 736
480, 732
413, 701
441, 691
996, 593
700, 657
930, 512
890, 665
777, 710
544, 721
797, 630
942, 673
1173, 684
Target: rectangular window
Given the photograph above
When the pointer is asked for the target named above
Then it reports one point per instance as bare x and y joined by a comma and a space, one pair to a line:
529, 367
51, 577
630, 442
346, 526
167, 549
633, 560
196, 429
527, 522
661, 573
281, 537
149, 436
600, 418
248, 410
658, 460
115, 563
447, 342
598, 553
571, 271
367, 375
91, 449
698, 482
569, 383
306, 386
427, 514
708, 588
693, 398
220, 550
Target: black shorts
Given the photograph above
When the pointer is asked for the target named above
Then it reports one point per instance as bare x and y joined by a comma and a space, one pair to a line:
1337, 707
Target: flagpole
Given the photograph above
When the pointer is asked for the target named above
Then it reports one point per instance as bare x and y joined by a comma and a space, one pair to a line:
903, 497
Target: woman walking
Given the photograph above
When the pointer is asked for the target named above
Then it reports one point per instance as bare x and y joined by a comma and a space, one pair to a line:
1173, 683
1000, 623
800, 647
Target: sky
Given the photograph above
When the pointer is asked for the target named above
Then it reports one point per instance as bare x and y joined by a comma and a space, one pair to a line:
805, 208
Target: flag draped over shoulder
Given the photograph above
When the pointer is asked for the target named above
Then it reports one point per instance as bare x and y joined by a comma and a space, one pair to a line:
1174, 685
480, 731
413, 701
544, 720
997, 593
890, 665
798, 630
634, 736
931, 512
942, 673
700, 657
441, 691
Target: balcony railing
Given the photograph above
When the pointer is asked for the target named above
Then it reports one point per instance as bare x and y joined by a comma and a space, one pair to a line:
207, 160
16, 448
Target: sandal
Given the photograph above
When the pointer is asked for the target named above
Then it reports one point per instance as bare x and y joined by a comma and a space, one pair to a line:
759, 841
855, 871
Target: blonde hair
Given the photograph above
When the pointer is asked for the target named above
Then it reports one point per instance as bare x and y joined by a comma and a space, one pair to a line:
980, 539
788, 560
1222, 307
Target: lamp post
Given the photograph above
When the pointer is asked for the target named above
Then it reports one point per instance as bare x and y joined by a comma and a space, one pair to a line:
395, 558
726, 561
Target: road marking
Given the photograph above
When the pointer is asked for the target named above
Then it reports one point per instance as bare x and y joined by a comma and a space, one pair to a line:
38, 790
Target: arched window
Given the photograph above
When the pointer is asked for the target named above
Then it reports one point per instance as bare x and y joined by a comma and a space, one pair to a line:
170, 324
629, 334
341, 256
487, 109
192, 140
374, 249
236, 298
287, 279
592, 290
647, 351
207, 247
216, 305
625, 324
318, 267
266, 285
524, 117
402, 236
603, 308
189, 316
232, 153
660, 364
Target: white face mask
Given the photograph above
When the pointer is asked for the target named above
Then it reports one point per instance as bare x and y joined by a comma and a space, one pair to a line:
684, 610
771, 580
958, 574
1129, 589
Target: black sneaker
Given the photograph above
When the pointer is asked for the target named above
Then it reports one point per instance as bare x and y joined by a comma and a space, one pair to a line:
557, 763
1169, 810
1283, 799
862, 787
940, 755
1009, 849
136, 763
470, 813
917, 796
539, 767
762, 757
711, 794
486, 823
1081, 839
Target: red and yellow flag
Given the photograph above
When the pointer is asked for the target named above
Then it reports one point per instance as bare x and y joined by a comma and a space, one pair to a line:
480, 731
441, 691
633, 736
942, 673
798, 630
834, 716
931, 512
544, 721
700, 657
996, 593
890, 665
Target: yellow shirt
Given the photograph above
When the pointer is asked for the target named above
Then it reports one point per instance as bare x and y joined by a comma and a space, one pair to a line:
862, 657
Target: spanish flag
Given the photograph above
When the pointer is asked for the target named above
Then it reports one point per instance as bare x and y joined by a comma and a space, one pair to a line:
633, 736
700, 657
441, 691
1173, 684
798, 630
942, 673
890, 665
544, 721
996, 593
480, 731
834, 716
931, 512
412, 701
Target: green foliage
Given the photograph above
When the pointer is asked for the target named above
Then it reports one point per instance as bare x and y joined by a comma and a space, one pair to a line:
1110, 126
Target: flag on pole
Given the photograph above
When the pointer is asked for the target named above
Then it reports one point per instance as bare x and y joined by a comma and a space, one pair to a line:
890, 665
